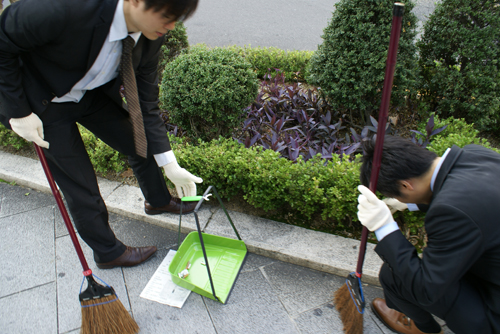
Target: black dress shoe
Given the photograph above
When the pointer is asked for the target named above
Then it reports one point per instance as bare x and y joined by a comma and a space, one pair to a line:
173, 207
132, 257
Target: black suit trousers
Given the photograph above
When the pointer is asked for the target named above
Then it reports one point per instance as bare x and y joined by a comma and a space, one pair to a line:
74, 173
465, 314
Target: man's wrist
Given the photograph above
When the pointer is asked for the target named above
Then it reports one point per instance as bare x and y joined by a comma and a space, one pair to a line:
385, 230
412, 207
165, 158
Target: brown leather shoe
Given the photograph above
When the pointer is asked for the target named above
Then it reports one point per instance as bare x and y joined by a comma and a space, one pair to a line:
173, 207
132, 257
396, 321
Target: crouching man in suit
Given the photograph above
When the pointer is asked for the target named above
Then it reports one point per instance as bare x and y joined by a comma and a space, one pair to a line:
458, 276
63, 62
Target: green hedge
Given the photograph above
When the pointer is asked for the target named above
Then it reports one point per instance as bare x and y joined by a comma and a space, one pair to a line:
292, 63
306, 191
459, 62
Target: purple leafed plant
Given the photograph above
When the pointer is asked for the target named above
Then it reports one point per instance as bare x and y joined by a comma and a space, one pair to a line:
425, 139
294, 121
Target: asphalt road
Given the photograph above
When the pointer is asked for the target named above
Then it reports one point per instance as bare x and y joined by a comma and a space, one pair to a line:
285, 24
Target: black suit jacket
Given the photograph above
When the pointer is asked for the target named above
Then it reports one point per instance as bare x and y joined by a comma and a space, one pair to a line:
47, 46
463, 227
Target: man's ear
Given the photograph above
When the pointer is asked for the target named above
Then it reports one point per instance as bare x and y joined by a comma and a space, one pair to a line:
406, 184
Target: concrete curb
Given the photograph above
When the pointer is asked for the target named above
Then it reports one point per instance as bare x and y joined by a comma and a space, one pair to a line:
312, 249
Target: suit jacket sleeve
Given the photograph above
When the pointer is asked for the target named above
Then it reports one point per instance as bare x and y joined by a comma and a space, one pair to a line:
454, 244
24, 27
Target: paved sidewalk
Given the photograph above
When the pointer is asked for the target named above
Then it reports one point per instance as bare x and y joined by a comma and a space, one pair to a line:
41, 274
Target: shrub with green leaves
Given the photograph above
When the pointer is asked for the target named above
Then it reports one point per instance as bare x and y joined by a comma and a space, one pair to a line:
315, 188
103, 158
10, 138
292, 63
206, 91
459, 61
349, 65
176, 41
458, 132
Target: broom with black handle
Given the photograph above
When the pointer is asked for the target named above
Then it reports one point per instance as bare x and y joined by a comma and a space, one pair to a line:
102, 311
349, 299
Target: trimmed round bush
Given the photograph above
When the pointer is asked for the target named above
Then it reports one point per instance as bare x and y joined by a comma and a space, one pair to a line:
205, 91
175, 41
349, 65
459, 61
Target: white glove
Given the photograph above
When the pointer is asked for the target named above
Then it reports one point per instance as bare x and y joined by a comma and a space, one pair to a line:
395, 205
183, 180
372, 212
30, 128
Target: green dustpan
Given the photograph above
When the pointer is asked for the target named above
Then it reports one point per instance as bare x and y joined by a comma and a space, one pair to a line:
211, 262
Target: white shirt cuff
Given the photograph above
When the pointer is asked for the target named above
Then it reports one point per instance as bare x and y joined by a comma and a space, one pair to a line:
412, 207
163, 159
385, 230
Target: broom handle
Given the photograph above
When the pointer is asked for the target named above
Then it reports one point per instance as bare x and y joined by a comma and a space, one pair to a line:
398, 11
62, 208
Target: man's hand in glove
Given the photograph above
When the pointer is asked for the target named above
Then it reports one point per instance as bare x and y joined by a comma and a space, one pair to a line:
183, 180
372, 212
395, 205
30, 128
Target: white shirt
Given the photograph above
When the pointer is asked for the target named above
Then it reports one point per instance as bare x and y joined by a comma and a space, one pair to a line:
106, 65
106, 68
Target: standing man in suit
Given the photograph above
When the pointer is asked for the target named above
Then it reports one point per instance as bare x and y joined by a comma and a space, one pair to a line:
61, 62
458, 276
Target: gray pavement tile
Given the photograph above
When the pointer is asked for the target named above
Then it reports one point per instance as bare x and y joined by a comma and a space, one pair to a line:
60, 227
30, 311
153, 317
69, 280
252, 307
136, 233
27, 248
326, 319
323, 319
76, 331
19, 199
372, 324
254, 262
4, 187
301, 289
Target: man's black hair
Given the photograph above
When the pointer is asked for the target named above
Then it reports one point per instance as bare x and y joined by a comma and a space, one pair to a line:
180, 9
401, 160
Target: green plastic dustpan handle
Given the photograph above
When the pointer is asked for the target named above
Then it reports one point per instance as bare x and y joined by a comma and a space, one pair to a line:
191, 198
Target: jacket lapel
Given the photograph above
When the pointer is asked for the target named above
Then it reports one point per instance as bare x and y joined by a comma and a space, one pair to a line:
101, 30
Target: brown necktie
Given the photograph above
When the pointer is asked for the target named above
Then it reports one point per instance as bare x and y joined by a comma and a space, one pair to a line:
134, 108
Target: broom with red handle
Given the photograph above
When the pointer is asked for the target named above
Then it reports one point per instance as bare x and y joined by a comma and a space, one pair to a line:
102, 311
349, 299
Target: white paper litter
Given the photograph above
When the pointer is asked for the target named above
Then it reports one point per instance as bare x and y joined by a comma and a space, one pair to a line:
161, 289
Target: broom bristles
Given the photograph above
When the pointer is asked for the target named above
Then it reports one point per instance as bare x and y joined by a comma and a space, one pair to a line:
106, 315
351, 318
